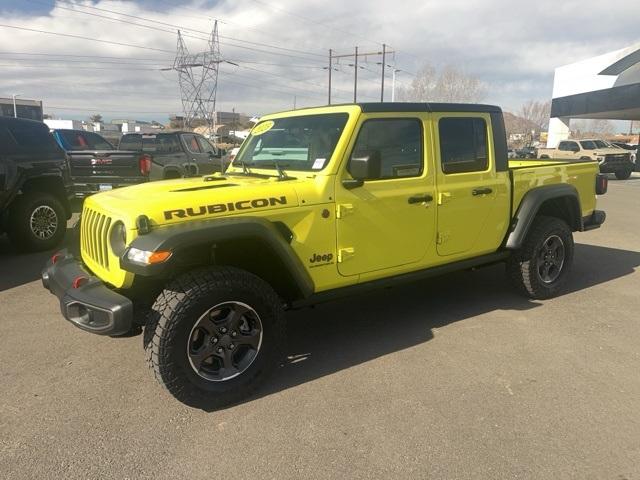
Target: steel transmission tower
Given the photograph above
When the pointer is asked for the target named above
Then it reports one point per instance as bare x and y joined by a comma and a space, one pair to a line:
198, 79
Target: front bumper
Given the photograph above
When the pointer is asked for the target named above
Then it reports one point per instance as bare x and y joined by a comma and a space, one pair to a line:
616, 165
90, 305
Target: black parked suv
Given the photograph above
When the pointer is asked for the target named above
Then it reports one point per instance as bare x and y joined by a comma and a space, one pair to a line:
34, 185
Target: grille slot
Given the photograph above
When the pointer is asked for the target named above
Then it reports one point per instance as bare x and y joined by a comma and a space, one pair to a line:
94, 236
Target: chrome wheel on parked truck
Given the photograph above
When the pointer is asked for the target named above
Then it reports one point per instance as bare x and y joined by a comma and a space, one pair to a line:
214, 334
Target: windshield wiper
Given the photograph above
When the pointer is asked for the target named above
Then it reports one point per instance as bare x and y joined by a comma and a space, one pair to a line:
282, 175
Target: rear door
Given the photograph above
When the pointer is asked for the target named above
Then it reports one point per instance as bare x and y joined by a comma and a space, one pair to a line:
210, 162
472, 198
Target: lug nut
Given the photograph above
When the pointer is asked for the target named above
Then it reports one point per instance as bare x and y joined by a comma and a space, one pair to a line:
220, 350
214, 339
231, 346
223, 330
233, 334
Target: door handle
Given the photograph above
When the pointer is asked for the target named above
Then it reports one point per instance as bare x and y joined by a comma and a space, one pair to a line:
420, 199
481, 191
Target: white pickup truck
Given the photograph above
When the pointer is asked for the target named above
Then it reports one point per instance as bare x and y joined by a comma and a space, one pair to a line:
611, 159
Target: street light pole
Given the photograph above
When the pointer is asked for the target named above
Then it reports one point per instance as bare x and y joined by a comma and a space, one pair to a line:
393, 84
15, 110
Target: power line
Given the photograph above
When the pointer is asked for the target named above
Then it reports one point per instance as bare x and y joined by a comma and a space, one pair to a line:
314, 22
83, 56
80, 37
174, 26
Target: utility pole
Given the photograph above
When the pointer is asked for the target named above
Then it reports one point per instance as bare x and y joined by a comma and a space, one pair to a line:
330, 68
384, 55
355, 79
294, 101
356, 55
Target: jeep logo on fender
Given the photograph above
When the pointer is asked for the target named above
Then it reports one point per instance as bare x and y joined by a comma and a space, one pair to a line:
224, 207
321, 258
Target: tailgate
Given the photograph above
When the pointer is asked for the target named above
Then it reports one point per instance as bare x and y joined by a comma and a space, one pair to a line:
103, 163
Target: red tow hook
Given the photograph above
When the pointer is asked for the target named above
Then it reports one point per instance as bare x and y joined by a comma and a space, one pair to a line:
79, 281
56, 257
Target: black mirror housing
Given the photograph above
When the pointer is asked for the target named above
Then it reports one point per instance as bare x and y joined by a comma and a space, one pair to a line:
366, 167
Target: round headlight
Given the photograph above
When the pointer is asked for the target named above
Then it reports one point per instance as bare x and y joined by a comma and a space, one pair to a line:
118, 238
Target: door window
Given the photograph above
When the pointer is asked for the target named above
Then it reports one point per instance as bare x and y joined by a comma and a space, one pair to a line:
463, 144
398, 141
568, 146
192, 143
205, 146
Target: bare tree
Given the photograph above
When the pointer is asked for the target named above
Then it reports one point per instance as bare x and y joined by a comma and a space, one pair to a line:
537, 113
97, 118
449, 85
591, 128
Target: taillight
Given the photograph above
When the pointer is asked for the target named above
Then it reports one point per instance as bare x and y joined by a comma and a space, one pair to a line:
145, 164
602, 183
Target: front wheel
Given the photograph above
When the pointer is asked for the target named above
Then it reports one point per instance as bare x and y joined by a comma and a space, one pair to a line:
623, 174
213, 335
37, 221
539, 269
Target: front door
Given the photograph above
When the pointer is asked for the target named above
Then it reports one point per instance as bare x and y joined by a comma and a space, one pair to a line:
467, 183
388, 221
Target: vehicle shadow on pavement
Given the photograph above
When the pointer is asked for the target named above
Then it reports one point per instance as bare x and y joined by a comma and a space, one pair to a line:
338, 335
18, 268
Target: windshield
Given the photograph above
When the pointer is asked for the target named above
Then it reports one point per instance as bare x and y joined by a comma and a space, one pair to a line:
299, 143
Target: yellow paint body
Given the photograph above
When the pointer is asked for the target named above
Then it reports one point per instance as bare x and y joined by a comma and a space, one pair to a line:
370, 232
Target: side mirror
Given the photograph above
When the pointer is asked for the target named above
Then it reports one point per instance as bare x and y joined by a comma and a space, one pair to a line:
364, 167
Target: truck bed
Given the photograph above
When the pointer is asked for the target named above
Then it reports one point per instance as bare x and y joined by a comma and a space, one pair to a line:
528, 174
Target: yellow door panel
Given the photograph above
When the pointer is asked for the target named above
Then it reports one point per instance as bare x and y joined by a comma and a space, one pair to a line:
389, 221
472, 198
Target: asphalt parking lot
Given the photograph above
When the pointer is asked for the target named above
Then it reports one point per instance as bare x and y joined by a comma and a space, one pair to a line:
454, 378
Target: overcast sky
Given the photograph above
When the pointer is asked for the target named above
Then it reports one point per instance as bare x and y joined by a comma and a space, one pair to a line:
511, 45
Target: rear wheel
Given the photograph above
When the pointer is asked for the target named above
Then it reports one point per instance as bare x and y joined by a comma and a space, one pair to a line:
623, 174
37, 221
539, 269
214, 335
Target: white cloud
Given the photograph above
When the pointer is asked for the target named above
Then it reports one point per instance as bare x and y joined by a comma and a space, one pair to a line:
512, 46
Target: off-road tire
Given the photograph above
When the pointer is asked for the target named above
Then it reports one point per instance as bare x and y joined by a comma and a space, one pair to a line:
522, 266
175, 312
20, 231
623, 174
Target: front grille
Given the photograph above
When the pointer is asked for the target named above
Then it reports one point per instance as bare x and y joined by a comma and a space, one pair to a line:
94, 236
618, 158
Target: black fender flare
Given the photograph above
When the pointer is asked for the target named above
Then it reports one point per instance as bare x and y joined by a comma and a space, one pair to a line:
182, 237
530, 205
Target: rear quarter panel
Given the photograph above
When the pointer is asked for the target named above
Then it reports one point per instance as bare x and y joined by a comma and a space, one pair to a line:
528, 175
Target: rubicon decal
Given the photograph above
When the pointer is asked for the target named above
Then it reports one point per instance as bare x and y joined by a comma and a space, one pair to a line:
224, 207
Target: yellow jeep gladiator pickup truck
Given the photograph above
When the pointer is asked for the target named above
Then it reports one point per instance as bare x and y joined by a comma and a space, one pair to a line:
318, 203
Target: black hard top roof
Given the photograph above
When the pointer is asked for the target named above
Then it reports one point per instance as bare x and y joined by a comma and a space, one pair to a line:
381, 107
372, 107
25, 121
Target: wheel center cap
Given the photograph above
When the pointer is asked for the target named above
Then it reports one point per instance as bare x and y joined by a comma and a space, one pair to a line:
225, 340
